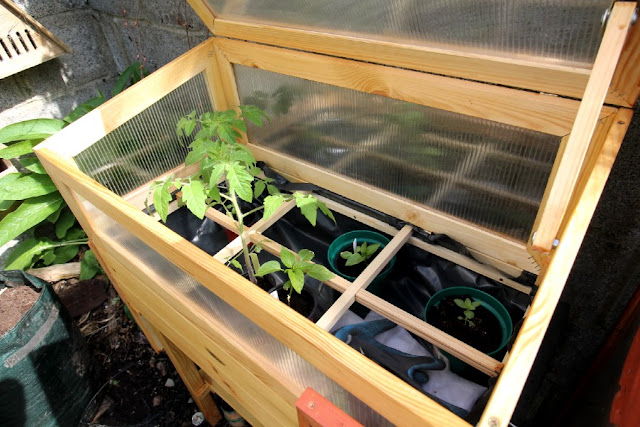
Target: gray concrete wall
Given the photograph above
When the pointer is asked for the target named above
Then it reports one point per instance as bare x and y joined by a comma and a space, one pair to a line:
106, 36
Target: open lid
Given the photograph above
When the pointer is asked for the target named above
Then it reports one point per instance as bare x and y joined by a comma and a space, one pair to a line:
545, 46
495, 167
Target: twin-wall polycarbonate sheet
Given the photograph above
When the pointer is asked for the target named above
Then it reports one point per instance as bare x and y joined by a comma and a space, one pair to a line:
550, 30
491, 174
146, 145
280, 361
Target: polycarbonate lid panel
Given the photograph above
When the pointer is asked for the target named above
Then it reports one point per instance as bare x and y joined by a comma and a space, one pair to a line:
490, 174
562, 30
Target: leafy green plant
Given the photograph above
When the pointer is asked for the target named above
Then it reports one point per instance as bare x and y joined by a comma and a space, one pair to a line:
296, 266
28, 197
227, 175
89, 266
469, 310
360, 253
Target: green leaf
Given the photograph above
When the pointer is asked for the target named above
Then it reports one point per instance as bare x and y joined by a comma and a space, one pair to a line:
305, 255
161, 199
214, 193
22, 255
48, 257
268, 268
297, 279
64, 223
199, 149
54, 216
287, 257
236, 264
255, 262
258, 188
16, 187
470, 314
240, 181
475, 305
371, 249
320, 272
6, 204
30, 129
308, 207
271, 204
127, 76
193, 194
242, 154
33, 164
216, 174
325, 210
84, 108
30, 213
459, 303
19, 149
345, 254
254, 114
89, 266
272, 190
66, 253
354, 259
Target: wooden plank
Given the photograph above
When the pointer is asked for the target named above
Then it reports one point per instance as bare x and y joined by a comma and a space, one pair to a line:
470, 235
440, 251
205, 12
54, 273
228, 83
527, 73
548, 114
204, 339
316, 411
345, 300
231, 399
562, 186
138, 196
625, 85
523, 353
191, 378
393, 399
81, 134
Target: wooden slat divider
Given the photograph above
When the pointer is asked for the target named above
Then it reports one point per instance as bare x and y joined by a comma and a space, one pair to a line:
348, 297
563, 182
440, 251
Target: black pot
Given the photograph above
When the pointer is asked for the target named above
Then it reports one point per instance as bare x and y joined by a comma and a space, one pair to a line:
304, 303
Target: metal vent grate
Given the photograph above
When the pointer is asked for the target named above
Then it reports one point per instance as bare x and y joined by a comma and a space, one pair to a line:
24, 42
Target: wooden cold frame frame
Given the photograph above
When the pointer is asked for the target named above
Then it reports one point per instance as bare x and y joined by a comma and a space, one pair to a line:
333, 358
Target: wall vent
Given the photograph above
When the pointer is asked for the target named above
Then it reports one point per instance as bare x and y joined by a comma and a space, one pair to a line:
24, 42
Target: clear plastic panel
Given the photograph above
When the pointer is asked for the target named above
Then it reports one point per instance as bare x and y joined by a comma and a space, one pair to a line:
284, 362
560, 30
488, 173
147, 145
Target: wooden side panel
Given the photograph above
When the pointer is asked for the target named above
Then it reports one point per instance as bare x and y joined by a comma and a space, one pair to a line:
548, 114
505, 396
316, 411
562, 186
625, 85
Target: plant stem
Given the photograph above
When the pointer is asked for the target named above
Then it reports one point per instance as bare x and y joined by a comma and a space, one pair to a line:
253, 210
245, 246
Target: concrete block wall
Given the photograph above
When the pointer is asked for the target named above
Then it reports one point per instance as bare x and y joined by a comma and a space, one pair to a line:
106, 36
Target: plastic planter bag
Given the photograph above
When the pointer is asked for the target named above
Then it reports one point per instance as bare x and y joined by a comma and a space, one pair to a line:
45, 367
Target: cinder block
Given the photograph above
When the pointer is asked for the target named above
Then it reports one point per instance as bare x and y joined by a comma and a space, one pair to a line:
39, 9
119, 8
176, 13
156, 46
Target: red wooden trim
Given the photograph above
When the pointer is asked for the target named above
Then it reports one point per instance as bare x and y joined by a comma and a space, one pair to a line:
316, 411
625, 411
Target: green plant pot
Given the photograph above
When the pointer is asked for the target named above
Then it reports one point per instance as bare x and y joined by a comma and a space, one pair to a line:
490, 303
345, 242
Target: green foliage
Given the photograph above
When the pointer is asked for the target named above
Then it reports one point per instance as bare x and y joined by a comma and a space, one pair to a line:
469, 310
31, 188
360, 253
89, 266
227, 173
296, 267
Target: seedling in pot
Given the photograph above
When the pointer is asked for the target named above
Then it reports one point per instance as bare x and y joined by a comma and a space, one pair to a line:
469, 310
227, 173
360, 253
297, 267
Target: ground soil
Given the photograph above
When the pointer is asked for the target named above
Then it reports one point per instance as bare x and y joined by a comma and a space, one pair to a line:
14, 303
485, 334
